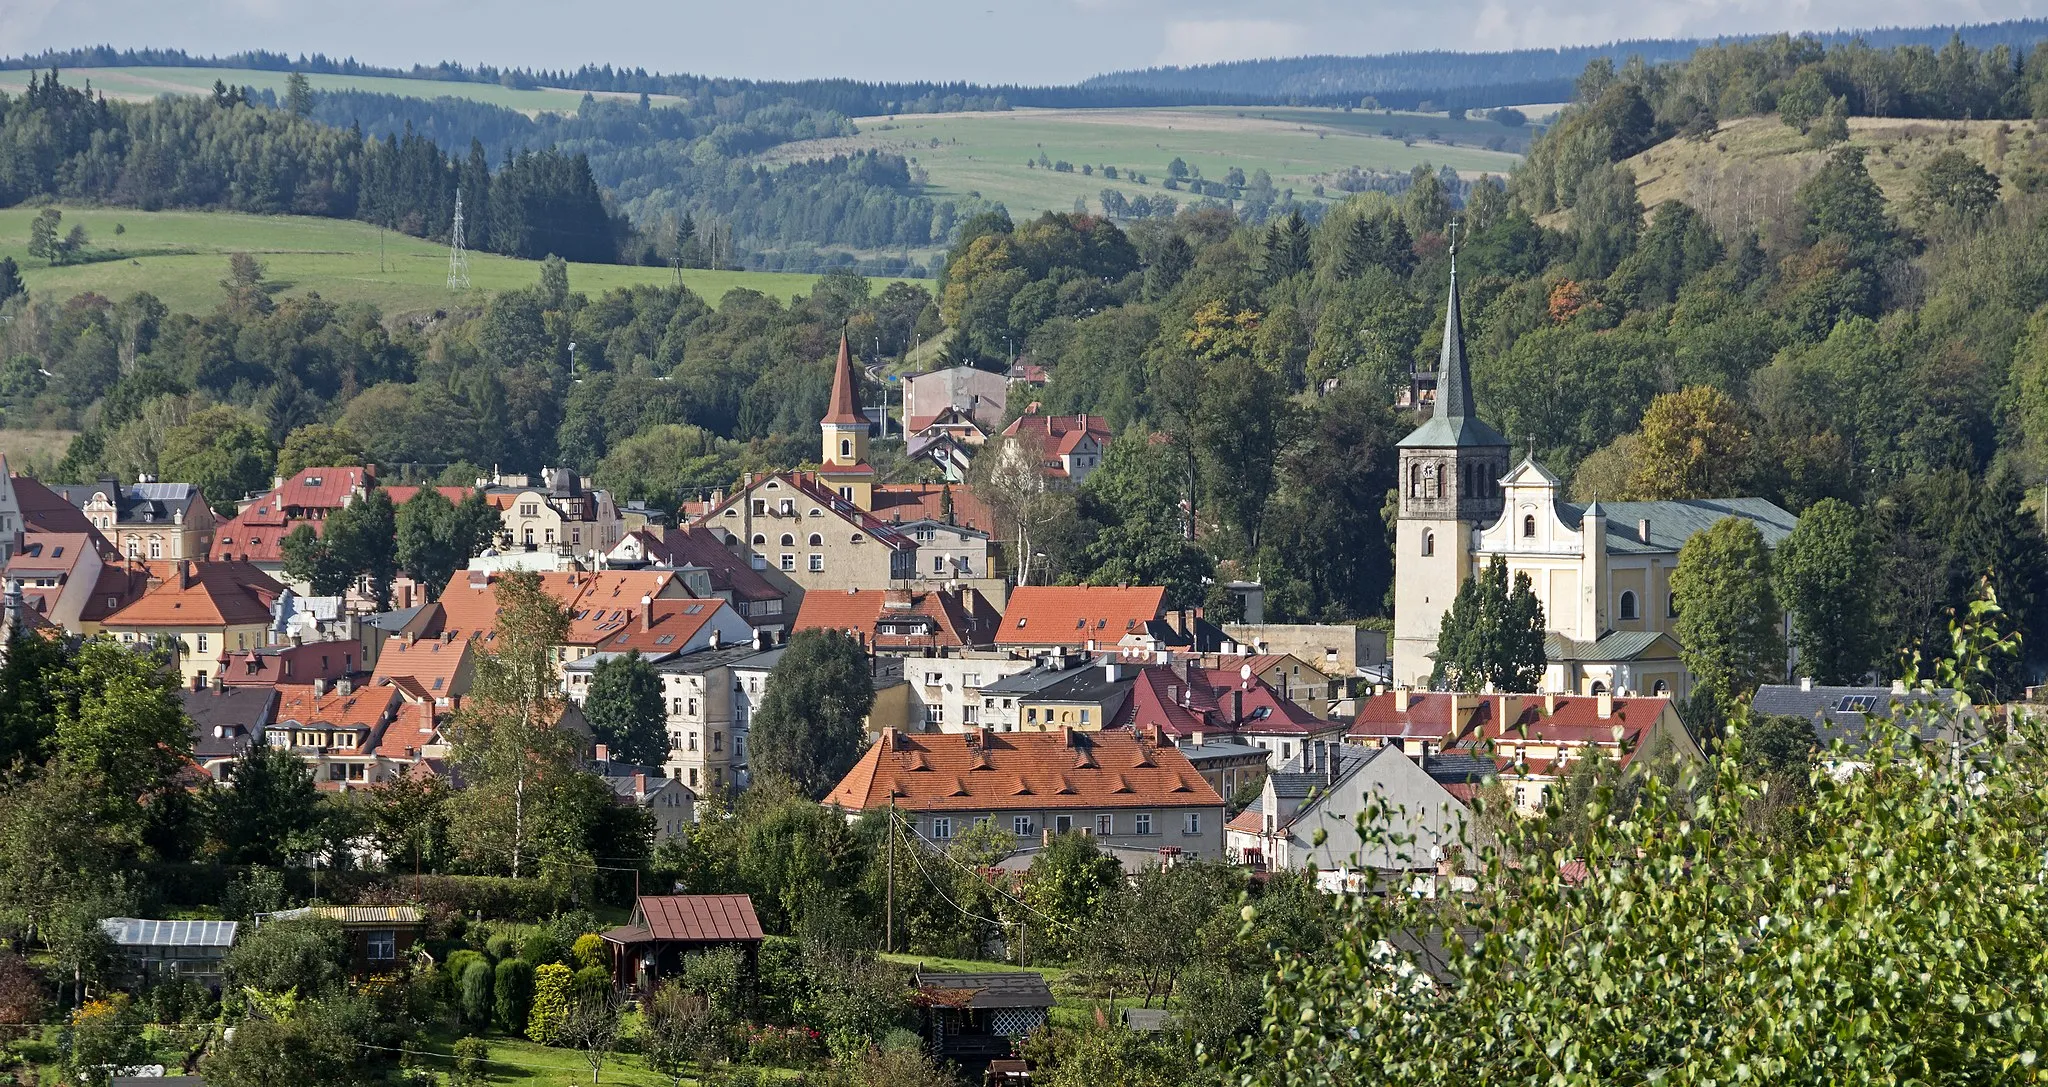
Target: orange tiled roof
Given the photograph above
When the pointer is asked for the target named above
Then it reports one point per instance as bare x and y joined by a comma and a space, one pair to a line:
960, 619
432, 663
323, 488
984, 770
1076, 614
669, 626
900, 502
411, 729
596, 601
361, 707
202, 594
401, 495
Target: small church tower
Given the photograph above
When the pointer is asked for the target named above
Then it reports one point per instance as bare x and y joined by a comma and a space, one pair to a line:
844, 467
1451, 470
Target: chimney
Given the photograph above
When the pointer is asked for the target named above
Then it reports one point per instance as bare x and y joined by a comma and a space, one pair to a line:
319, 688
760, 640
1400, 700
604, 753
220, 682
639, 784
1604, 706
1549, 703
1336, 760
344, 686
1112, 672
185, 572
1199, 737
646, 613
717, 639
412, 638
1237, 705
891, 739
1067, 736
1643, 530
1806, 683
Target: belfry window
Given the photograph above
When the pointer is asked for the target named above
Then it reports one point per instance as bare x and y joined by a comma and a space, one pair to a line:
1428, 544
846, 448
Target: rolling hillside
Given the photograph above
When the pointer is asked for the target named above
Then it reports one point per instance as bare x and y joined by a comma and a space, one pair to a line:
142, 84
987, 152
181, 256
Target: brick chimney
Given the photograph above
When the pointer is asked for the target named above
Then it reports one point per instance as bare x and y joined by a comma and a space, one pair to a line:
604, 753
1604, 705
646, 613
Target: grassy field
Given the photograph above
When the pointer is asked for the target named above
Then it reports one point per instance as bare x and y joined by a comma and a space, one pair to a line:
25, 447
1746, 175
143, 84
181, 257
987, 152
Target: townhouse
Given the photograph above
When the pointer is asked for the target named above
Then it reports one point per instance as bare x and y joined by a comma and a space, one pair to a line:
146, 519
203, 609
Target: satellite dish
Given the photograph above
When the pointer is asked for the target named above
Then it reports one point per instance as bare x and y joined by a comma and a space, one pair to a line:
1244, 672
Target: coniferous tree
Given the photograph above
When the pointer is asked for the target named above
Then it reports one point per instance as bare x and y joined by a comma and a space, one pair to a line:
1493, 636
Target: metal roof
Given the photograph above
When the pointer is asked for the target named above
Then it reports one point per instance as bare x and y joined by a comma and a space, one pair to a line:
1009, 989
1615, 645
690, 919
351, 915
139, 932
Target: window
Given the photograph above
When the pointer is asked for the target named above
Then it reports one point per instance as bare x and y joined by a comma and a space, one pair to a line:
942, 827
935, 715
788, 540
789, 562
1021, 825
970, 715
817, 564
202, 643
693, 777
1061, 824
693, 741
817, 540
1415, 481
156, 548
1084, 717
1428, 544
938, 564
1599, 688
1628, 605
529, 509
1192, 823
845, 447
1529, 527
1661, 688
760, 507
1671, 605
1144, 822
1031, 715
1105, 825
692, 711
718, 741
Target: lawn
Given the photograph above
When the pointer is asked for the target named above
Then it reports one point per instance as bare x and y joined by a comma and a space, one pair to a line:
143, 84
987, 152
181, 257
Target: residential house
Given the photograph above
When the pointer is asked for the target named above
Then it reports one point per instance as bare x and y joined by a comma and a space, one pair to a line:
946, 448
1045, 618
1340, 652
305, 662
1532, 739
1068, 448
945, 503
1321, 795
601, 605
669, 802
146, 520
1127, 788
57, 575
380, 937
978, 1018
977, 398
749, 688
1003, 699
437, 670
1226, 764
709, 569
555, 513
1845, 715
1185, 700
664, 929
903, 621
204, 609
255, 535
225, 719
338, 730
805, 536
152, 951
1293, 678
709, 714
949, 688
950, 552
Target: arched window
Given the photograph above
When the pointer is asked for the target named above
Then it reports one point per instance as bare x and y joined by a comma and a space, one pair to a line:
788, 540
760, 539
1661, 688
817, 540
1529, 526
1628, 604
1428, 543
1599, 688
846, 447
1415, 481
1671, 605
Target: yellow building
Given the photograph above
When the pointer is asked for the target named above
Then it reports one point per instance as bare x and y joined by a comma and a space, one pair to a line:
1601, 571
205, 609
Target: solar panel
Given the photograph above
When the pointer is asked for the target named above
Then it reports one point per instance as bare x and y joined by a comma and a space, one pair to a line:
1855, 703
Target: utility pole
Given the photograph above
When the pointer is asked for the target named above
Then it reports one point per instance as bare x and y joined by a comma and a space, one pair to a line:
889, 911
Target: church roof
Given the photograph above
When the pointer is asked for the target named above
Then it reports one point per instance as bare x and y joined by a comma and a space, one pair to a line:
1615, 645
845, 406
1673, 522
1455, 422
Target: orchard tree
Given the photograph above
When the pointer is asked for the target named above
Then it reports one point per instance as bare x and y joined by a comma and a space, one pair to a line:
812, 726
625, 709
1823, 572
1492, 635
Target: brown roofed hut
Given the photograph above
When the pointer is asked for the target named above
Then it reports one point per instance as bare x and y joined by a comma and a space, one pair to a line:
664, 928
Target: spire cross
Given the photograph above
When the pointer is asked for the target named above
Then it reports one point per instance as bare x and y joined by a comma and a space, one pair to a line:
1454, 240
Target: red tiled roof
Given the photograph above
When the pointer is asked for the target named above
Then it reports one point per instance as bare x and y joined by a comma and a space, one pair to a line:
1076, 614
899, 502
1061, 433
433, 663
257, 533
44, 510
1215, 701
50, 552
361, 707
697, 547
1248, 821
695, 918
401, 495
982, 770
413, 729
308, 662
202, 594
670, 625
596, 601
961, 619
845, 407
324, 488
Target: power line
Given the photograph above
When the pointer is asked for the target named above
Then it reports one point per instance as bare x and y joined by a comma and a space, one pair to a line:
942, 894
997, 887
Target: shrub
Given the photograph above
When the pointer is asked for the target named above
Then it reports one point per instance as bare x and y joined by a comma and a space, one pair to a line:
551, 985
588, 950
512, 993
472, 1062
310, 955
475, 993
592, 983
500, 947
458, 964
21, 991
541, 948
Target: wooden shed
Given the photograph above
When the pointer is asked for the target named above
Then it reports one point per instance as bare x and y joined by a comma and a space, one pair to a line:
664, 928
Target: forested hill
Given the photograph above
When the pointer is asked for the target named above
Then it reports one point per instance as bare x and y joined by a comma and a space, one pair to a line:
1468, 80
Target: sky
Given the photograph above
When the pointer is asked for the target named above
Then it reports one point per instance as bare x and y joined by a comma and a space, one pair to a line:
983, 41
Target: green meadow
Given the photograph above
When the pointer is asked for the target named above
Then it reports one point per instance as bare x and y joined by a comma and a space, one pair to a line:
141, 84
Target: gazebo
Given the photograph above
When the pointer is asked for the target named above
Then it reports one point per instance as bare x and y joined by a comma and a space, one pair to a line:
972, 1018
664, 928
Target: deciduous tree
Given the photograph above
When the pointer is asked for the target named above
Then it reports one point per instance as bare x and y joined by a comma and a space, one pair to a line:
1728, 615
625, 709
1824, 573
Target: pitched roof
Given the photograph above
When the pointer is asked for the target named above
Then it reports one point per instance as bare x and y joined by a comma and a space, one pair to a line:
202, 594
323, 488
1455, 421
900, 618
1673, 522
598, 603
413, 729
141, 932
1844, 713
845, 405
257, 533
690, 919
671, 624
401, 495
1002, 989
698, 547
432, 663
982, 770
906, 502
223, 720
352, 915
360, 707
48, 553
271, 664
1077, 614
1615, 645
44, 510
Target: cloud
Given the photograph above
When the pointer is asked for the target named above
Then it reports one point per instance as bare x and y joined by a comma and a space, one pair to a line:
1206, 41
21, 22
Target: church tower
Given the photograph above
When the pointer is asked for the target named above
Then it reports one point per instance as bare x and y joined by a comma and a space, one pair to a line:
844, 467
1451, 468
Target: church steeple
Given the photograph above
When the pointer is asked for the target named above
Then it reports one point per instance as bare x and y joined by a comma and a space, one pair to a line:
1455, 422
844, 467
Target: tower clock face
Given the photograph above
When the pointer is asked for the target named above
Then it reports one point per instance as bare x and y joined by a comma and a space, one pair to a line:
1429, 470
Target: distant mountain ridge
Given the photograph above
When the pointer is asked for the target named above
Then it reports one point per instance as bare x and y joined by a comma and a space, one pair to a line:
1533, 75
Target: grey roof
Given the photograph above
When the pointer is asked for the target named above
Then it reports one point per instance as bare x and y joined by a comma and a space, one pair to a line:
1347, 755
1219, 750
1615, 645
137, 503
1009, 989
705, 660
1036, 678
139, 932
620, 776
1843, 713
1673, 522
1454, 422
224, 720
1459, 768
1295, 785
394, 620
